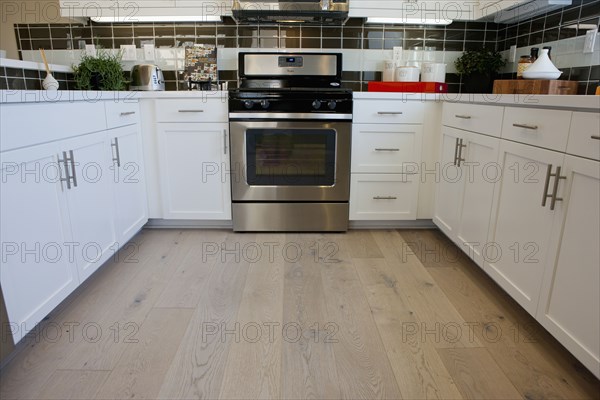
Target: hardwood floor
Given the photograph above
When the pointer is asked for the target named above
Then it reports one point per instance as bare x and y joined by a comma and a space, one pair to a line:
368, 314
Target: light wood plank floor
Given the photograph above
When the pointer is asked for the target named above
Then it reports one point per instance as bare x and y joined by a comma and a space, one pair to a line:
369, 314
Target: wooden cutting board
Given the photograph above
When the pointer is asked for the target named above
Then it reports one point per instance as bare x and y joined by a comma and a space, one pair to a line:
534, 86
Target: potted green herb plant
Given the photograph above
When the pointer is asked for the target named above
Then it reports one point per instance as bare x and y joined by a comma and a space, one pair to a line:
102, 72
478, 69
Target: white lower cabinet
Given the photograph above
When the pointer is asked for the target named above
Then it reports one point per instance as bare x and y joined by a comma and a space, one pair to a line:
90, 201
519, 245
128, 177
467, 178
383, 197
64, 210
37, 272
570, 297
194, 170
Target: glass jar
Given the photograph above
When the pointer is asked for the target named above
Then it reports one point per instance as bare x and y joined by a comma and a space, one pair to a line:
524, 63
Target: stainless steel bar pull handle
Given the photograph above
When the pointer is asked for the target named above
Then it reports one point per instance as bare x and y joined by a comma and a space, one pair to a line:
117, 157
525, 126
385, 198
191, 111
73, 174
461, 146
547, 185
463, 116
224, 141
596, 137
456, 151
65, 161
390, 112
557, 179
124, 114
387, 149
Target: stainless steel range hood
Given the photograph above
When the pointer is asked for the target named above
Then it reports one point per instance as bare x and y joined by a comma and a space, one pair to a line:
287, 11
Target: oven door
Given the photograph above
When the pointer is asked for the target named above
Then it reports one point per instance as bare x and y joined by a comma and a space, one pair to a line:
281, 161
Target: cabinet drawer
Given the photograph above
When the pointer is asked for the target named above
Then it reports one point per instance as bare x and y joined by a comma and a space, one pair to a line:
384, 197
543, 128
584, 135
388, 111
191, 110
27, 124
385, 148
122, 113
474, 118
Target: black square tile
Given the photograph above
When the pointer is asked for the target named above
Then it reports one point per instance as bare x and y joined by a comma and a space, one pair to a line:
23, 33
287, 31
311, 31
566, 33
167, 30
437, 34
580, 73
123, 31
355, 33
40, 33
164, 42
524, 28
331, 32
143, 30
414, 34
590, 9
122, 41
311, 43
457, 25
455, 35
226, 42
595, 73
389, 44
201, 31
450, 45
472, 35
512, 31
491, 36
3, 83
331, 43
582, 88
351, 43
373, 44
410, 43
536, 38
523, 41
473, 46
538, 24
438, 45
25, 45
33, 84
551, 35
31, 74
553, 20
566, 74
16, 83
289, 42
592, 86
249, 31
14, 72
102, 31
352, 75
247, 42
475, 25
570, 15
230, 31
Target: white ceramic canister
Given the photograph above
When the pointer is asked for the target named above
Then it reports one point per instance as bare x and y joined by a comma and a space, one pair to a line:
433, 72
389, 70
407, 74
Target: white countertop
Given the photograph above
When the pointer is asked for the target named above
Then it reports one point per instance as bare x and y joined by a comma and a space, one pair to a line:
43, 96
588, 103
542, 101
11, 63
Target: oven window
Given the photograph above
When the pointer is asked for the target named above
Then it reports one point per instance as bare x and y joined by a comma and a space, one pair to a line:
290, 157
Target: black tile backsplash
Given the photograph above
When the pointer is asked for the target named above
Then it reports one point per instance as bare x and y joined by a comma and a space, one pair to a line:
28, 79
355, 34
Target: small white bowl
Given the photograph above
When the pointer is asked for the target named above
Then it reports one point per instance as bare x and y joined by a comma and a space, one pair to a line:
541, 75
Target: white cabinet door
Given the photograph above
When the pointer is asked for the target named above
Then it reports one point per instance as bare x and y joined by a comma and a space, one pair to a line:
36, 271
128, 178
386, 148
91, 201
481, 172
411, 9
194, 170
520, 229
570, 298
383, 197
450, 184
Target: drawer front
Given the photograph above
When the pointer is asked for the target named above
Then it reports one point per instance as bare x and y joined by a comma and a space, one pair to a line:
584, 135
383, 197
191, 110
388, 112
474, 118
122, 113
548, 129
28, 124
386, 148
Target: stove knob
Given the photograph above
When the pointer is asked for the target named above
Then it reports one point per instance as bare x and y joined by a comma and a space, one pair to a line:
248, 104
264, 104
316, 104
332, 104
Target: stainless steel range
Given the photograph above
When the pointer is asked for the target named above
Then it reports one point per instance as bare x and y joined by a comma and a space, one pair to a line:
290, 130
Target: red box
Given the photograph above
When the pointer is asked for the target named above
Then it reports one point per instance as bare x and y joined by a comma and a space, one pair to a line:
409, 87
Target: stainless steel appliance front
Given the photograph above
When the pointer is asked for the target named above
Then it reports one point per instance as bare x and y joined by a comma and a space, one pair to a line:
290, 175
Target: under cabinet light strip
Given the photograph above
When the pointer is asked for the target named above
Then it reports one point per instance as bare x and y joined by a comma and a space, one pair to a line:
411, 21
179, 18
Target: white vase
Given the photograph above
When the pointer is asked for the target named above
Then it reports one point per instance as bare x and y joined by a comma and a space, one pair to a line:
542, 68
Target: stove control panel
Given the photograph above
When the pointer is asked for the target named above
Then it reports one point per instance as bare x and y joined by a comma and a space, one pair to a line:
291, 102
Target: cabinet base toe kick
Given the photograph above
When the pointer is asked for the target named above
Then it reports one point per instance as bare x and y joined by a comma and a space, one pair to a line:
290, 217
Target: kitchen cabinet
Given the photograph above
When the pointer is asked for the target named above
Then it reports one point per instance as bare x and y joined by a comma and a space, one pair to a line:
487, 8
90, 201
148, 8
37, 271
194, 170
570, 296
411, 9
386, 141
467, 179
523, 220
62, 208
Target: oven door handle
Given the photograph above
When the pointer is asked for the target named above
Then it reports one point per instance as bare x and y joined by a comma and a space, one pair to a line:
283, 116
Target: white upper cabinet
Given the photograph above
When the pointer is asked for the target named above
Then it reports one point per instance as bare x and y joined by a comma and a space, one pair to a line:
130, 10
414, 9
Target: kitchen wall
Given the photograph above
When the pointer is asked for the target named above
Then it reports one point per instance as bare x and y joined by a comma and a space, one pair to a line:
364, 46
